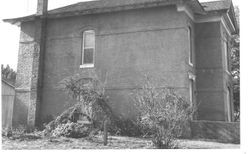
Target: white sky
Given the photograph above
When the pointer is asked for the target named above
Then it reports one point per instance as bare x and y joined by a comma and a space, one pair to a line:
9, 37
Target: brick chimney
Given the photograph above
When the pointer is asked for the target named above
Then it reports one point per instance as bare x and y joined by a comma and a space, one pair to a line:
36, 85
29, 82
42, 7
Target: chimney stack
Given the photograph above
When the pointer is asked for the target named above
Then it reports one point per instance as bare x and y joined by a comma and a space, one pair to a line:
29, 80
42, 7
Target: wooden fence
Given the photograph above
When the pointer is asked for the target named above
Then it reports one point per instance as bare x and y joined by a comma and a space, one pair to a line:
7, 110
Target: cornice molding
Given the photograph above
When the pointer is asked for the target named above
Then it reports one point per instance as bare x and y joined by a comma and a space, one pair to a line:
187, 10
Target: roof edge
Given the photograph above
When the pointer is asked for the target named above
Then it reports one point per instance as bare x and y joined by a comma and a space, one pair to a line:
17, 21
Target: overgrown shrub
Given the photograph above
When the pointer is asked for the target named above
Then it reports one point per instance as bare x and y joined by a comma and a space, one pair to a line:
74, 130
65, 117
89, 92
162, 113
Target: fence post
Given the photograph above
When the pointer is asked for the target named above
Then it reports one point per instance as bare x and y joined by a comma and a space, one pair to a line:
105, 132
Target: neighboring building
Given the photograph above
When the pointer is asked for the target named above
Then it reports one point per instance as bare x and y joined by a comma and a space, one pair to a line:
181, 43
8, 95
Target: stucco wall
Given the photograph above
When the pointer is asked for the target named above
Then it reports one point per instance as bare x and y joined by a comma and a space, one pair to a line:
227, 77
129, 44
210, 72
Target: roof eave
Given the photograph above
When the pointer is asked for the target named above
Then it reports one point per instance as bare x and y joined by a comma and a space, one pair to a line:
234, 20
17, 21
197, 7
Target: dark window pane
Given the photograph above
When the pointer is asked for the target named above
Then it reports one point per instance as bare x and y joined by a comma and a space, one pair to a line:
88, 56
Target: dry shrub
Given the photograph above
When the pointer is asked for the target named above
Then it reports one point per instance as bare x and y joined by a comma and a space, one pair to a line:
89, 93
71, 129
162, 113
21, 132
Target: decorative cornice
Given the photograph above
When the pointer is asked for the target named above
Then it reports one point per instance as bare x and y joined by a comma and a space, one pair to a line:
230, 21
187, 10
225, 26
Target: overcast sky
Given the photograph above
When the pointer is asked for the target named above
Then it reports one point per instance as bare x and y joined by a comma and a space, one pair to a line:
9, 37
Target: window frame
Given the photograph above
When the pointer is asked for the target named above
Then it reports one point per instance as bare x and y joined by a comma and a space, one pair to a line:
228, 104
191, 91
87, 65
191, 88
190, 52
225, 49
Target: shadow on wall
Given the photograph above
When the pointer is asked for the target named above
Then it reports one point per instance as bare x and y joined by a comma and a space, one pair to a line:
226, 132
21, 113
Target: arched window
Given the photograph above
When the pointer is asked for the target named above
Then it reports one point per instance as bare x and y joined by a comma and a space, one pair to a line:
88, 49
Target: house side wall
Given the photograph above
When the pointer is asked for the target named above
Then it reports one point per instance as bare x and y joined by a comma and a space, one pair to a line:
210, 72
129, 44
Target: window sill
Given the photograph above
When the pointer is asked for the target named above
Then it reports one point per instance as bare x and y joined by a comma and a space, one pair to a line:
87, 66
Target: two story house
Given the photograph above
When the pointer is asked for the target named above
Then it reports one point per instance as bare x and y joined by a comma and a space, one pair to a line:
182, 44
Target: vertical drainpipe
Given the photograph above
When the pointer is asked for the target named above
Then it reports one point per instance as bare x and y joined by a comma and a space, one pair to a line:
37, 64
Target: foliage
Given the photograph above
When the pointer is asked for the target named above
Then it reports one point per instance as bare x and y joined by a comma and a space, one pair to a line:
71, 129
8, 74
21, 133
163, 111
64, 118
91, 100
89, 92
235, 68
86, 91
235, 71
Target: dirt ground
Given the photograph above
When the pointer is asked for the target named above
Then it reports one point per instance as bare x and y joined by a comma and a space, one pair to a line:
114, 142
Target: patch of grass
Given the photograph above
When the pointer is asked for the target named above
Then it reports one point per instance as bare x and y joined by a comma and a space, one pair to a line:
114, 142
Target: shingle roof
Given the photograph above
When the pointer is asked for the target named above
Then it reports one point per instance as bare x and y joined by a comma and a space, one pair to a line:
216, 5
99, 6
222, 6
